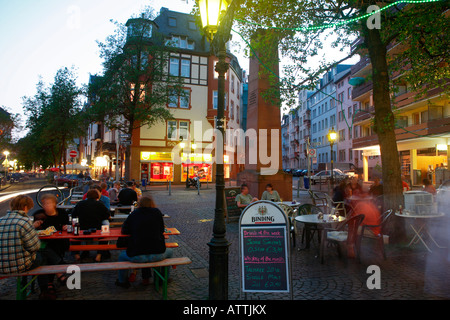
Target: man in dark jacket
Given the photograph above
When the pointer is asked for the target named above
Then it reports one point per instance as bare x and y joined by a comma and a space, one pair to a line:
91, 213
146, 243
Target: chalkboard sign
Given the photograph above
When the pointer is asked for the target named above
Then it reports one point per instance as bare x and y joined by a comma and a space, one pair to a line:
231, 209
264, 249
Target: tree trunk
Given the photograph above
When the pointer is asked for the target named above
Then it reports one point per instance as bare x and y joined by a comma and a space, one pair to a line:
384, 126
128, 153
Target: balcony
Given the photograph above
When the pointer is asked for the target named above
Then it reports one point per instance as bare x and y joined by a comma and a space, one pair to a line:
364, 115
359, 91
361, 68
433, 127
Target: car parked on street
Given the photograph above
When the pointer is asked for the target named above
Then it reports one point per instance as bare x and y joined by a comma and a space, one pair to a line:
325, 175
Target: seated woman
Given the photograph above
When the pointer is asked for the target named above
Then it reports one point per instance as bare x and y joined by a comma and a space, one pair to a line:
91, 214
146, 243
49, 216
243, 199
270, 194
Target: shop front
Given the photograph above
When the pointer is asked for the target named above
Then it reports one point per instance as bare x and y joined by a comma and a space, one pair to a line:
196, 165
157, 166
160, 167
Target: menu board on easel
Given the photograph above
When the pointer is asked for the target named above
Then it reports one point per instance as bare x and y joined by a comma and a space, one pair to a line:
231, 208
264, 249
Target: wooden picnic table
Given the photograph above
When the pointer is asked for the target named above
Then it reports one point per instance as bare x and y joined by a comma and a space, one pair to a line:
113, 233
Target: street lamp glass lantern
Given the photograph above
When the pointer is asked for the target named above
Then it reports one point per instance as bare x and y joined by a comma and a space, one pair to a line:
332, 136
211, 11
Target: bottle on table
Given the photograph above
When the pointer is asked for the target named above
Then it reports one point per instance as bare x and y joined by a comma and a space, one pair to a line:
69, 225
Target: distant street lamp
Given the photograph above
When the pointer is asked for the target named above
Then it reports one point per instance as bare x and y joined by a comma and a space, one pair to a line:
217, 18
332, 136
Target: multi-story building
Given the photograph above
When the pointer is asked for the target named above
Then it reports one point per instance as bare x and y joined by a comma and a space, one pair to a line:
423, 124
156, 153
323, 116
285, 142
345, 109
304, 126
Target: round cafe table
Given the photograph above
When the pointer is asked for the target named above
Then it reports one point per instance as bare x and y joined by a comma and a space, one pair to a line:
290, 204
421, 228
313, 220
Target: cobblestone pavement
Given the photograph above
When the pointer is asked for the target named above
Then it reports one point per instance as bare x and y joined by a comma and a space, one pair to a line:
409, 273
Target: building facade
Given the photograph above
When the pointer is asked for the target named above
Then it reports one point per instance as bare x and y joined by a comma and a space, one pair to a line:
422, 126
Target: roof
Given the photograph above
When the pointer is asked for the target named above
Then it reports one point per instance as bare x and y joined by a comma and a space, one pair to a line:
183, 27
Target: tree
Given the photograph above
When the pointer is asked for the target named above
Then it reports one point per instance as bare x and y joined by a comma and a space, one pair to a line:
303, 28
54, 119
136, 86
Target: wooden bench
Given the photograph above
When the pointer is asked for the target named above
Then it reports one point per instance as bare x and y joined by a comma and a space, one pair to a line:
100, 247
160, 269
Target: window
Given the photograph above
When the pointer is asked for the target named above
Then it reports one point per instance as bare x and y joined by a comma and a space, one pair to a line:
174, 67
185, 99
350, 155
238, 115
349, 93
177, 129
172, 22
342, 135
179, 101
180, 42
232, 109
172, 130
184, 129
232, 83
216, 99
186, 68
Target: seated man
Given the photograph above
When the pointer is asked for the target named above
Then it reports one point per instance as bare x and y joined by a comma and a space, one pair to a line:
146, 243
127, 196
91, 214
20, 244
51, 216
243, 199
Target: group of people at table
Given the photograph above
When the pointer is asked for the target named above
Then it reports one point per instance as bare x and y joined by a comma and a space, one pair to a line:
349, 191
21, 248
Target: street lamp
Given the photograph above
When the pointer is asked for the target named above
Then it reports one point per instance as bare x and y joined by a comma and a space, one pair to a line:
217, 17
332, 135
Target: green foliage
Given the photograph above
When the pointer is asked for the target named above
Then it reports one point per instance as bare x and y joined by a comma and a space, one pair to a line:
54, 119
135, 87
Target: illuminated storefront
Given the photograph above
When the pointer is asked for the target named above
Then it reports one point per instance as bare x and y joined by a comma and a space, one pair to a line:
157, 166
194, 164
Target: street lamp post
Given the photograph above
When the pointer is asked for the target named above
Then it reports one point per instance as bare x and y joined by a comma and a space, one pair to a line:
217, 17
332, 138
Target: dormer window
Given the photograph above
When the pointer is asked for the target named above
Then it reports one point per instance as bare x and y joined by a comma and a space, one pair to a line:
181, 42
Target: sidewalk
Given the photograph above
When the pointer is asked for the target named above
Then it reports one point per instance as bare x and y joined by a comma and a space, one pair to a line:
408, 273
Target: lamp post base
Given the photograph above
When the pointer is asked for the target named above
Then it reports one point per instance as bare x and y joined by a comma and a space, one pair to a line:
218, 269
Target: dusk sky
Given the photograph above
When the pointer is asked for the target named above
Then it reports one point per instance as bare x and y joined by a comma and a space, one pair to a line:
39, 37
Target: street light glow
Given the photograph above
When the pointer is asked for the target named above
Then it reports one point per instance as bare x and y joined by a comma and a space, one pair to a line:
211, 12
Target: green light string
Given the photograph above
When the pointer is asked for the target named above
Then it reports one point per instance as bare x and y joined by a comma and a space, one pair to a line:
349, 126
338, 24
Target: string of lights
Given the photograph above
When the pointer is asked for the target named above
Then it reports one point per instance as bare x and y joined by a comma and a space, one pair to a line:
340, 23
